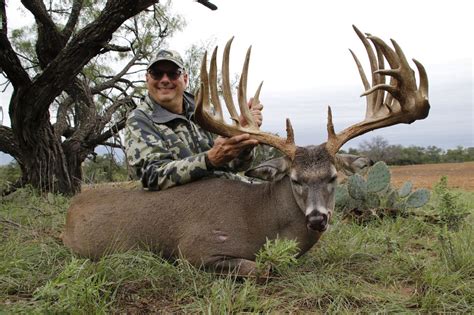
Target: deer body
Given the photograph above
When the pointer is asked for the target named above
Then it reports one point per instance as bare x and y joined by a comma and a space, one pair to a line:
221, 223
187, 220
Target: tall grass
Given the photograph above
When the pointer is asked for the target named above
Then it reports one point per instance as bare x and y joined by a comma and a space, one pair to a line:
402, 265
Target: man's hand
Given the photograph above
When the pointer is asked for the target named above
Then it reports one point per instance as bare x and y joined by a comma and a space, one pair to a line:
227, 149
256, 111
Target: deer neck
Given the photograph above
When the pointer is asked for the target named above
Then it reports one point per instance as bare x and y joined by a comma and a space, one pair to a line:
282, 198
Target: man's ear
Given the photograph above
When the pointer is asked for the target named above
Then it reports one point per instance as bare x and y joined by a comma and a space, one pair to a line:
186, 79
271, 170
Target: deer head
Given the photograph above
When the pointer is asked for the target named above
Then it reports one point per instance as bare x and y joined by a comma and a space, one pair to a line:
312, 169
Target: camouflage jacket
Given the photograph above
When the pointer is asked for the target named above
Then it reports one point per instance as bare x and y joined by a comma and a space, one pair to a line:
168, 149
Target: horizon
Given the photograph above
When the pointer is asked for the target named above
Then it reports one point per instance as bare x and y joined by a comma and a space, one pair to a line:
308, 118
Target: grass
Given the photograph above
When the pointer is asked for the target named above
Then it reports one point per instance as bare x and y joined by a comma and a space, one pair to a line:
403, 265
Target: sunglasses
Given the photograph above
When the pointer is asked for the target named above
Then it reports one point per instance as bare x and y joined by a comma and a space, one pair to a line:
172, 75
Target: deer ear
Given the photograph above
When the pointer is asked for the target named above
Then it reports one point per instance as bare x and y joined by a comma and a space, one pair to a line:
351, 164
271, 170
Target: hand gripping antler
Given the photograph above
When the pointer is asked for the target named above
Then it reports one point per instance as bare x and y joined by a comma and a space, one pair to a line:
404, 102
214, 122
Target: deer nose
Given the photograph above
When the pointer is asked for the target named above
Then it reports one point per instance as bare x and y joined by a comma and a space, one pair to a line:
317, 221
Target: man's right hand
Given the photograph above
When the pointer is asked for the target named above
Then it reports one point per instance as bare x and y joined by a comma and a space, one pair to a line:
227, 149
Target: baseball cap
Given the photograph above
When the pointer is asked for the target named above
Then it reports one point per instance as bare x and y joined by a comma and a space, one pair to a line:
169, 55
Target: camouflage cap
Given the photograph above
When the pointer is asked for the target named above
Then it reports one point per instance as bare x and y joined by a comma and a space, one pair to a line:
169, 55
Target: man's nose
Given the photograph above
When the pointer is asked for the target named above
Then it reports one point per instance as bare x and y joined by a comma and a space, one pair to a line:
165, 78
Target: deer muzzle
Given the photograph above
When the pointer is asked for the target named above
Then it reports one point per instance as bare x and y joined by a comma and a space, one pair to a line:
317, 221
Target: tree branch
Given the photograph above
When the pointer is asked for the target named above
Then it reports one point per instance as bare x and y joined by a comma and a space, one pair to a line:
73, 17
36, 99
107, 134
8, 143
50, 40
61, 124
112, 145
112, 47
9, 61
110, 83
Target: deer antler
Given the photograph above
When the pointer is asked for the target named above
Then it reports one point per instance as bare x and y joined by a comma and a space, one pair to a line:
404, 101
214, 122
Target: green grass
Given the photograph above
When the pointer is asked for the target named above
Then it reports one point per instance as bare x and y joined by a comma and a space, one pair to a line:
402, 265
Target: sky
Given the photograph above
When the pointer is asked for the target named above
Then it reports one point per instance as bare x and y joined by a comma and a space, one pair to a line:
300, 49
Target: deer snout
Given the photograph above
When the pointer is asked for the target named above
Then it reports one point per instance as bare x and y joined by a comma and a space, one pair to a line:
317, 221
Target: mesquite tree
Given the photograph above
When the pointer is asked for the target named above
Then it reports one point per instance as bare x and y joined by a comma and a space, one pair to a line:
74, 73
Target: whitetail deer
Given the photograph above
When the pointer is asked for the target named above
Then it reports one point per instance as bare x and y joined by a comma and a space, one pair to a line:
222, 224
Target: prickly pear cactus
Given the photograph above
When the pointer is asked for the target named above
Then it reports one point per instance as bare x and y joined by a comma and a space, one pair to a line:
418, 198
342, 196
357, 187
372, 201
376, 197
378, 177
406, 189
392, 197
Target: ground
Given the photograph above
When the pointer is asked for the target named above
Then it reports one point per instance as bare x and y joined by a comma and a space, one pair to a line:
460, 175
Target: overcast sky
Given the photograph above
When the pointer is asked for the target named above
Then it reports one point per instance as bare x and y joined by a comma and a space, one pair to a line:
300, 51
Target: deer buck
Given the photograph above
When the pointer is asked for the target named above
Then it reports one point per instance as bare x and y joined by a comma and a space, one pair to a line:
221, 224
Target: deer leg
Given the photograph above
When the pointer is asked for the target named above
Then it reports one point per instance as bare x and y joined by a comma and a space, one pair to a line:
241, 267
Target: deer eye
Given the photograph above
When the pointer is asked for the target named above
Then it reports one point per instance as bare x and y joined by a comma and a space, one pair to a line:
295, 182
333, 179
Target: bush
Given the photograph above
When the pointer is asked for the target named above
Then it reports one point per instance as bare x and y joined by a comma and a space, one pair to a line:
452, 211
9, 174
104, 168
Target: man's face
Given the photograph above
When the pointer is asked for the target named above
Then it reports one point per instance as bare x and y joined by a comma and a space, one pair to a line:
166, 83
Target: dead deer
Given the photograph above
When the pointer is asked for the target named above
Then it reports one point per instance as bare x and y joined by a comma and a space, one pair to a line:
221, 224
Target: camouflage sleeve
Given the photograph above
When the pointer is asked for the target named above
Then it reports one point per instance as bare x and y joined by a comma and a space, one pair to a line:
155, 162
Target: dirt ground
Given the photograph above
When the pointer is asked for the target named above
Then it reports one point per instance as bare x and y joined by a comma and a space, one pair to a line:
460, 175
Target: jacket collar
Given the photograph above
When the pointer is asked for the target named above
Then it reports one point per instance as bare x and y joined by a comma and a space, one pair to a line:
161, 115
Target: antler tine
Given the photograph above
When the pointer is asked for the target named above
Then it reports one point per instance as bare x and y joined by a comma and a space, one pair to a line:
381, 94
366, 84
423, 78
406, 103
374, 101
216, 125
213, 85
242, 94
256, 97
387, 51
226, 84
370, 53
204, 89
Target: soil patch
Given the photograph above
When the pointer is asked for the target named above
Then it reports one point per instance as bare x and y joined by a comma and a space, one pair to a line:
460, 175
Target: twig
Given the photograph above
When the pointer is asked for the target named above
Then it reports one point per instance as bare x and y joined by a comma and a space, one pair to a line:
15, 224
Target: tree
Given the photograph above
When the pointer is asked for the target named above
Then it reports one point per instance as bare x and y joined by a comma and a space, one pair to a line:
375, 149
65, 70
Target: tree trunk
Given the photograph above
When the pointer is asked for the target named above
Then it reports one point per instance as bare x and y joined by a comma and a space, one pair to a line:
46, 165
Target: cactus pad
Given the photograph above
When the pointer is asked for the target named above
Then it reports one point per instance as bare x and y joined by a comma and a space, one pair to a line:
406, 189
357, 187
342, 196
418, 198
372, 201
378, 177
